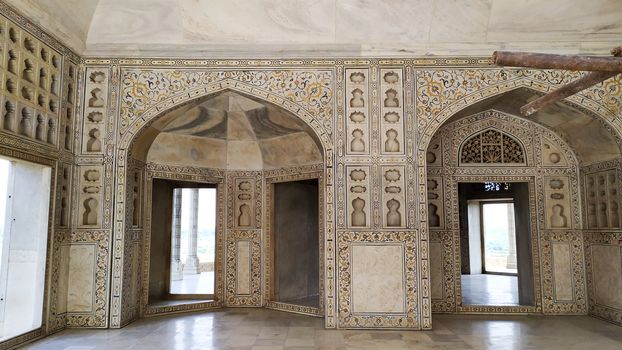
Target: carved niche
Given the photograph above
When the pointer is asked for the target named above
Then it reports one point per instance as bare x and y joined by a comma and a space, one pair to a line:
491, 146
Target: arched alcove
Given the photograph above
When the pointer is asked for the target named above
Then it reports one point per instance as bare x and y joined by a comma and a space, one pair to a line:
228, 131
244, 147
549, 170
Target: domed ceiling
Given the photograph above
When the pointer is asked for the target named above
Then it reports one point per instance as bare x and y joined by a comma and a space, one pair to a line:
238, 28
231, 131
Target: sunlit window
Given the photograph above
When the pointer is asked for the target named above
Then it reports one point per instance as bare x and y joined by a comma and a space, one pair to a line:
193, 241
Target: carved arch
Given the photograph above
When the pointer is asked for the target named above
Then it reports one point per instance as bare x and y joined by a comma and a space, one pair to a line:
502, 81
131, 125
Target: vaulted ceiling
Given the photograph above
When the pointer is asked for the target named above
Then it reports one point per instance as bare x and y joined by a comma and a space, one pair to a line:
228, 131
231, 28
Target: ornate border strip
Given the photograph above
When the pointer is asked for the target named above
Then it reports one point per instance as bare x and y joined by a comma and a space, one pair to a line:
297, 309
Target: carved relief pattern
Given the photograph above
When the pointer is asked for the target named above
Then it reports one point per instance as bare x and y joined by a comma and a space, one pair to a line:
557, 201
349, 319
63, 196
90, 196
602, 199
436, 217
552, 156
599, 237
358, 185
245, 200
66, 127
30, 75
95, 110
391, 111
254, 297
434, 154
357, 112
393, 196
244, 187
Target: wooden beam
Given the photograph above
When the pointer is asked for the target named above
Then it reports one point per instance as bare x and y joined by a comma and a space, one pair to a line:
570, 89
550, 61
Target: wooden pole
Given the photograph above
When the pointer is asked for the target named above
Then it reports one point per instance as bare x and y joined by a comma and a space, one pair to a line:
550, 61
570, 89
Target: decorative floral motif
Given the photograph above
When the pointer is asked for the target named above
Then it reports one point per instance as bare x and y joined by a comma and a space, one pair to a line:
140, 89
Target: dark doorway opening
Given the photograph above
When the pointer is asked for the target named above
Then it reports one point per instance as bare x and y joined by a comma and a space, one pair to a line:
296, 243
495, 244
183, 241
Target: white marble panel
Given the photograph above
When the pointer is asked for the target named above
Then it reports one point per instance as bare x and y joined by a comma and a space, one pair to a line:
436, 270
562, 271
258, 21
358, 183
548, 21
378, 284
244, 155
382, 22
63, 278
607, 275
136, 21
81, 284
243, 268
188, 150
460, 21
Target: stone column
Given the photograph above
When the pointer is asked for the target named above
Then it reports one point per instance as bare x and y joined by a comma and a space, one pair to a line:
511, 260
176, 267
192, 261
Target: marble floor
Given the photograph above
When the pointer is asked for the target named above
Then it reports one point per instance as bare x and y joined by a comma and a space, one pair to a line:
484, 289
312, 301
262, 329
201, 283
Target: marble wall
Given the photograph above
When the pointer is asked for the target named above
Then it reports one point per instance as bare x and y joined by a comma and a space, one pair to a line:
376, 124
